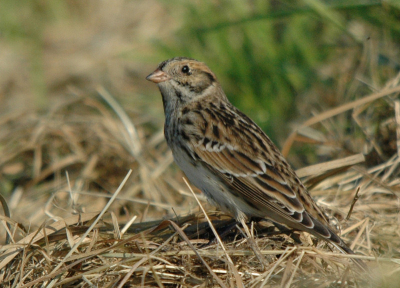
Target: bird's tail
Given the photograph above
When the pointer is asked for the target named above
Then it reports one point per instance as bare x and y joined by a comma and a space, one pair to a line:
346, 250
325, 232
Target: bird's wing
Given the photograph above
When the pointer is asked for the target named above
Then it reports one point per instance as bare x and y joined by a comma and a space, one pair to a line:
246, 160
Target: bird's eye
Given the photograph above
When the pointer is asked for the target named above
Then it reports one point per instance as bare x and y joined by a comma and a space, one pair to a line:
186, 70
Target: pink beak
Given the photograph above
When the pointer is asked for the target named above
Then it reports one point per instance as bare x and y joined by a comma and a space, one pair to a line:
158, 76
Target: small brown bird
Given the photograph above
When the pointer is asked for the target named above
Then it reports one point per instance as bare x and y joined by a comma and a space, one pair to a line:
227, 156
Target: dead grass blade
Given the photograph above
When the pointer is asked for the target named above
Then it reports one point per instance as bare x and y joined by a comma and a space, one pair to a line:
73, 249
397, 118
230, 262
333, 112
330, 165
133, 142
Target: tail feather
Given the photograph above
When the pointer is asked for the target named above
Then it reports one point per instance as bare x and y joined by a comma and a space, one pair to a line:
321, 231
346, 250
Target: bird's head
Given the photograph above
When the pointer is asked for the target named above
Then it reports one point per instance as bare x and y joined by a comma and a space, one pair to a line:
184, 80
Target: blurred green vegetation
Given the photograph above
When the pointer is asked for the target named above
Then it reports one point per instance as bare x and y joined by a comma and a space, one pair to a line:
22, 24
272, 57
267, 53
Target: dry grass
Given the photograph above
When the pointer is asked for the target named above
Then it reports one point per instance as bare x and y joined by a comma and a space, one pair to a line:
73, 230
93, 196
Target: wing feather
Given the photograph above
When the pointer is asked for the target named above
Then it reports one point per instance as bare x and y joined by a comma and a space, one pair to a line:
245, 167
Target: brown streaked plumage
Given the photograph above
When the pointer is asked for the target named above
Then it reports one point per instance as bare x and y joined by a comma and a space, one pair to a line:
226, 155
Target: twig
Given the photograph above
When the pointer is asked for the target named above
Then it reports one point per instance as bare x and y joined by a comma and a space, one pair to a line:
353, 203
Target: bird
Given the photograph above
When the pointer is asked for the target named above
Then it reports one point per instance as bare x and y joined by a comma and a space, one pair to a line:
229, 157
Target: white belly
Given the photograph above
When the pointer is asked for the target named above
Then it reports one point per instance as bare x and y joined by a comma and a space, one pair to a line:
217, 193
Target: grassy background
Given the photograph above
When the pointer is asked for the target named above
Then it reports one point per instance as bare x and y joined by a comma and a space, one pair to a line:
281, 62
278, 61
272, 57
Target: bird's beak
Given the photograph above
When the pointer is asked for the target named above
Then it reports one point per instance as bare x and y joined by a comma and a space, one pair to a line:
158, 76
